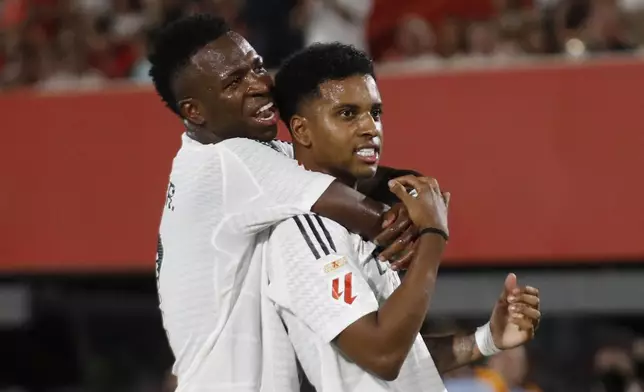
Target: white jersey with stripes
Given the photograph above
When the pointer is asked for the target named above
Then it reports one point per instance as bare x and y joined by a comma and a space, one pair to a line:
322, 278
220, 200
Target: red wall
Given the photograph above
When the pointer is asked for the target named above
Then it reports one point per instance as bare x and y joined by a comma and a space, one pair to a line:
542, 163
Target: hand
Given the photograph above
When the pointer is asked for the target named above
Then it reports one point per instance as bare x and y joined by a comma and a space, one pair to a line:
398, 235
516, 315
426, 209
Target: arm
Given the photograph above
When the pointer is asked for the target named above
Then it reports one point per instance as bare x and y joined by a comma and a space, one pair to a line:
334, 300
265, 187
451, 352
513, 322
351, 209
380, 341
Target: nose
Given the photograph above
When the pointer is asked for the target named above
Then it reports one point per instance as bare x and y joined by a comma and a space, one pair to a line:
259, 84
369, 126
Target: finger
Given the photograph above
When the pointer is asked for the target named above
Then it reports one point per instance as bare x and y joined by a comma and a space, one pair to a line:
389, 216
410, 182
523, 323
526, 289
403, 263
432, 183
526, 311
398, 189
393, 231
532, 291
400, 248
531, 300
446, 198
396, 249
508, 286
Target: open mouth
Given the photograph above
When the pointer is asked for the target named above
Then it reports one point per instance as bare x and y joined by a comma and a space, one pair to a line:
368, 155
267, 114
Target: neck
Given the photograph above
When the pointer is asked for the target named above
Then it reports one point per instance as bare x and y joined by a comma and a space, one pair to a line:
306, 159
203, 136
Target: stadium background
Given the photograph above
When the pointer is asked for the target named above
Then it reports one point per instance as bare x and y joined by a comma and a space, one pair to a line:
527, 112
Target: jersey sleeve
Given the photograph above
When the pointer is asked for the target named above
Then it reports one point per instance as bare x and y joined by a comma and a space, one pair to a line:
262, 186
317, 278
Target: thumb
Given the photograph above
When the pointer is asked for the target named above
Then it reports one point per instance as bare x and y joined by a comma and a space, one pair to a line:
399, 190
447, 197
510, 284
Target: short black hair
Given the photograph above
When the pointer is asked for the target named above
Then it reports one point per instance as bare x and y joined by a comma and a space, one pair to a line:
302, 74
173, 46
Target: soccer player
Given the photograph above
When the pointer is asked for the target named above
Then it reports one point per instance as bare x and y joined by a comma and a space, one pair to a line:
354, 326
229, 182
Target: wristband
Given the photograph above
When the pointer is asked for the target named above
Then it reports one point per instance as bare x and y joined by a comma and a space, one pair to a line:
485, 342
433, 230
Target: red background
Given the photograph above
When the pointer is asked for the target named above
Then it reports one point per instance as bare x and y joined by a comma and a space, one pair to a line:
543, 164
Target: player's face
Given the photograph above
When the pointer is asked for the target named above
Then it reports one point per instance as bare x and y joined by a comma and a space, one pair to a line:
233, 90
345, 127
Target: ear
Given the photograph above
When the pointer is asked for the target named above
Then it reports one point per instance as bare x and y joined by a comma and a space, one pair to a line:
191, 110
300, 131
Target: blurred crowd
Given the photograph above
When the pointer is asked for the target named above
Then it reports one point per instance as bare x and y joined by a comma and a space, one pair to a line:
105, 348
615, 368
55, 44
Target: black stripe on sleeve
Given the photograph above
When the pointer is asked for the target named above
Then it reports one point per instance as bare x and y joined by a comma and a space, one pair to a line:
325, 249
326, 233
306, 236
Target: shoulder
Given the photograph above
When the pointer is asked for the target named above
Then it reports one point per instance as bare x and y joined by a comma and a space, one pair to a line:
318, 235
243, 144
283, 147
249, 150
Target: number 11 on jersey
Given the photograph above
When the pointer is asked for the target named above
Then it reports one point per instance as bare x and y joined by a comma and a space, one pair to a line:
337, 291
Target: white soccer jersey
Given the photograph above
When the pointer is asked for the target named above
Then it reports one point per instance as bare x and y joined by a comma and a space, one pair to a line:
219, 198
323, 279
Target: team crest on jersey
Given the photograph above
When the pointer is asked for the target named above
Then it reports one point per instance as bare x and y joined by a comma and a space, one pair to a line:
334, 265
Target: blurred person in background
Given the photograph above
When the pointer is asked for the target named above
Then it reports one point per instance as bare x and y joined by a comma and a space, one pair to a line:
128, 18
450, 37
507, 372
638, 360
465, 380
584, 27
31, 60
509, 43
276, 27
169, 383
605, 28
70, 68
482, 39
533, 38
140, 72
511, 24
414, 39
110, 54
615, 370
337, 21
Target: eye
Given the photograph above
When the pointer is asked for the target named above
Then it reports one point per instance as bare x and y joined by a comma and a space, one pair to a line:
347, 114
376, 114
234, 82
